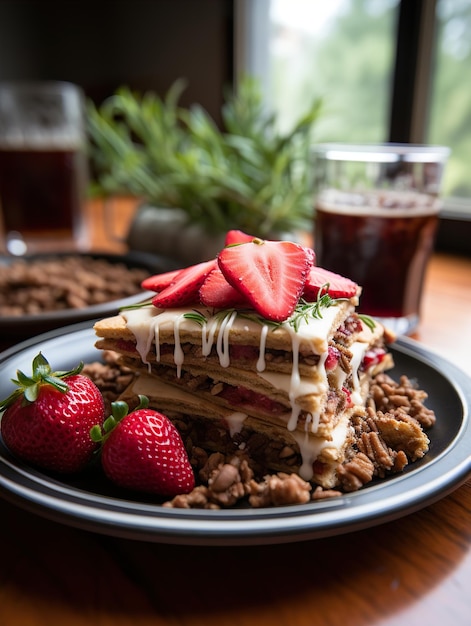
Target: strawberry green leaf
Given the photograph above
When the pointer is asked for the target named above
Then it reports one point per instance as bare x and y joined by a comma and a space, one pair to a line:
96, 434
29, 387
56, 382
40, 364
31, 393
119, 410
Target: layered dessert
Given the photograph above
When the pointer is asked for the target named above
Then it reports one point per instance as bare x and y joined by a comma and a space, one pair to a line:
261, 352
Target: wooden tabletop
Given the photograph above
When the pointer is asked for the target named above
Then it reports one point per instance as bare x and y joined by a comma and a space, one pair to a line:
413, 571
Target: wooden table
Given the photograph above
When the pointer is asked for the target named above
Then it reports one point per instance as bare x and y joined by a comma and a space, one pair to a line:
413, 571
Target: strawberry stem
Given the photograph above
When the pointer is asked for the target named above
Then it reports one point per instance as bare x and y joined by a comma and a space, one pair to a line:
28, 387
119, 410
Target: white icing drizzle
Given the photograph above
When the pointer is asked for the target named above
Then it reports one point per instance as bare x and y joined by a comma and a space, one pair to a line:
315, 421
338, 377
178, 354
137, 324
358, 350
145, 323
311, 447
222, 344
296, 386
207, 335
261, 355
157, 340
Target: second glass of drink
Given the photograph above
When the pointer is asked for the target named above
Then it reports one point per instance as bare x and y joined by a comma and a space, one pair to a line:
376, 216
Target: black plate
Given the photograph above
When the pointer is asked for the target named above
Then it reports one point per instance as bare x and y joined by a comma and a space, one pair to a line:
25, 326
94, 505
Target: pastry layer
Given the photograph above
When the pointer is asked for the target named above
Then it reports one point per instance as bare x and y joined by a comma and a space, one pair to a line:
302, 378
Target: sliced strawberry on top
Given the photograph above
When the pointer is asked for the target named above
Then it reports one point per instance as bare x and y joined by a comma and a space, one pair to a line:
327, 282
158, 282
270, 274
185, 288
237, 236
311, 254
217, 292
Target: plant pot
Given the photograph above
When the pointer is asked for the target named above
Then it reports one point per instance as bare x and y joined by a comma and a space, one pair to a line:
167, 232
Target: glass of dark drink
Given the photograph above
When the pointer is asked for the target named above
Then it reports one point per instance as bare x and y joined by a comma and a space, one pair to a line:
376, 215
43, 167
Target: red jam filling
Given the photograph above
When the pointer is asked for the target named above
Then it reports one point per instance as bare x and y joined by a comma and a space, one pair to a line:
372, 358
126, 346
332, 359
240, 396
348, 397
319, 468
351, 325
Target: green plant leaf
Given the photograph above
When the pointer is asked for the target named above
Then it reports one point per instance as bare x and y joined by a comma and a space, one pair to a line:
246, 175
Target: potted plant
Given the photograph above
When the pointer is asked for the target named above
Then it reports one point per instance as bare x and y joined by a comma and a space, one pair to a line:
196, 178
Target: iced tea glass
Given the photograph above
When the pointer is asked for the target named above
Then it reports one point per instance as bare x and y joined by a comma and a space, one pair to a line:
376, 216
43, 167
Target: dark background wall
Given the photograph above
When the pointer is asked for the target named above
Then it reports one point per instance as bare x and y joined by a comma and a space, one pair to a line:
101, 45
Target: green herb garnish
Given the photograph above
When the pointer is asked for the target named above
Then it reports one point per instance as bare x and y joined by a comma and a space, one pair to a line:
368, 321
196, 316
305, 310
138, 305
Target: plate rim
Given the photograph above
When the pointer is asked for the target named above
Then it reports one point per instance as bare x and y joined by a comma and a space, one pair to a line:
152, 522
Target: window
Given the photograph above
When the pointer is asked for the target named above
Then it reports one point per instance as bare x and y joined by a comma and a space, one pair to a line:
342, 51
396, 70
450, 100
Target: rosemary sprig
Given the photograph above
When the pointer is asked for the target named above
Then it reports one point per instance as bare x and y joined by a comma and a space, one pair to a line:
305, 310
196, 316
138, 305
368, 321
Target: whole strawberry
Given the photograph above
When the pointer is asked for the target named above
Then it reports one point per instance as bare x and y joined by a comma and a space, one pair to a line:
47, 419
143, 451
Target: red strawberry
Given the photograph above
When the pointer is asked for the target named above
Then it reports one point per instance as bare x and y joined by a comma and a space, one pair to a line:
160, 281
311, 254
237, 236
143, 451
325, 281
47, 420
270, 274
185, 288
217, 292
333, 356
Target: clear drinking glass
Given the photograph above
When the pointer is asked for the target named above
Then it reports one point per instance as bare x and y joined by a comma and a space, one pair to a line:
43, 167
376, 215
